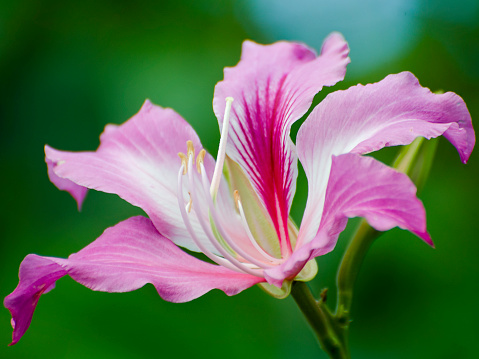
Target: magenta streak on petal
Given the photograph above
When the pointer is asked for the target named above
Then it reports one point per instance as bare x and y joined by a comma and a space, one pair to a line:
274, 86
267, 141
358, 187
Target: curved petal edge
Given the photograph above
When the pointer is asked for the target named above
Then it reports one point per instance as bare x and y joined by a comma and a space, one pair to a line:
76, 191
366, 118
359, 187
124, 258
273, 86
139, 162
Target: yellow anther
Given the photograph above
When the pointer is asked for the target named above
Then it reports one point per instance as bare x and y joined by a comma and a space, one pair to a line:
183, 161
200, 159
191, 148
236, 196
189, 206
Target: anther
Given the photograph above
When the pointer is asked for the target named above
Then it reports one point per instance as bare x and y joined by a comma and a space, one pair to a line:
183, 161
191, 148
190, 204
200, 160
236, 196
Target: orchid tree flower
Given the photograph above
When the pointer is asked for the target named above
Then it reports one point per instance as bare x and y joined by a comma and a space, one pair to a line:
236, 210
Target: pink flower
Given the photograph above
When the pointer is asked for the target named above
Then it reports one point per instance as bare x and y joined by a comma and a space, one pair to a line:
236, 209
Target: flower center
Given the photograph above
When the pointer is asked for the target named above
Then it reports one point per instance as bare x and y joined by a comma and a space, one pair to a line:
224, 236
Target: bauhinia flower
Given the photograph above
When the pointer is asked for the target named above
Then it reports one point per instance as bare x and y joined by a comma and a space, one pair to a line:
236, 210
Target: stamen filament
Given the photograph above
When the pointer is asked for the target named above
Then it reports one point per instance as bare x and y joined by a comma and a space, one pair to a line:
223, 233
186, 220
250, 235
189, 205
206, 228
215, 180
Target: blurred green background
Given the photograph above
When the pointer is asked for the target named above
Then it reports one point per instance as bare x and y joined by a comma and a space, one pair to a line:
68, 68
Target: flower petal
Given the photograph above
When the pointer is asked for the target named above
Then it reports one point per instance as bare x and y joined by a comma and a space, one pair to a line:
391, 112
273, 86
139, 161
76, 191
363, 119
364, 187
37, 276
124, 258
359, 187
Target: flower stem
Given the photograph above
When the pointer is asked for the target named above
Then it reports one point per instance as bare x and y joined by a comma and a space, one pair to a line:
329, 331
415, 160
349, 268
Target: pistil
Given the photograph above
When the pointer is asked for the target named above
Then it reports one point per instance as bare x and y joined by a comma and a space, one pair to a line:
215, 181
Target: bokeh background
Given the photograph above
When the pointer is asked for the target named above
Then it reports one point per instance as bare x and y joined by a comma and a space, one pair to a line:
68, 68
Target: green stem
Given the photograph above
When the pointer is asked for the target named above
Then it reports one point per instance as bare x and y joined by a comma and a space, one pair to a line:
332, 329
415, 160
349, 268
330, 333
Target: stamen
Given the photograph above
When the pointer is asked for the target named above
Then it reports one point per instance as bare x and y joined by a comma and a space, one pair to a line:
190, 204
215, 181
183, 161
186, 221
248, 231
207, 231
191, 148
236, 197
223, 233
200, 159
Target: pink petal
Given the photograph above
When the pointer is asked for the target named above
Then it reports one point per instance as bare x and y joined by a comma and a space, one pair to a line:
76, 191
273, 86
363, 119
37, 276
139, 161
391, 112
364, 187
124, 258
359, 187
